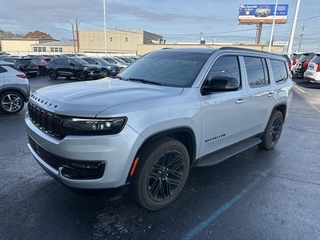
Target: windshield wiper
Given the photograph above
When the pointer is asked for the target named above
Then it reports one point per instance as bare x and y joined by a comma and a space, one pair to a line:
143, 81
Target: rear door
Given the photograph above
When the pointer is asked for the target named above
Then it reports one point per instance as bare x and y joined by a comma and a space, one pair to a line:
1, 77
260, 98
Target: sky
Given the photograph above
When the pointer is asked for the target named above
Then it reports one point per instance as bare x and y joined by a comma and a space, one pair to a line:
178, 21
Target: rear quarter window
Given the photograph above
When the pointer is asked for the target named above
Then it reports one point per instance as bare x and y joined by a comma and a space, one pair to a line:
279, 69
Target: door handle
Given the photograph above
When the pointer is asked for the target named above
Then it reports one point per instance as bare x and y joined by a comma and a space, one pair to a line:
271, 94
241, 100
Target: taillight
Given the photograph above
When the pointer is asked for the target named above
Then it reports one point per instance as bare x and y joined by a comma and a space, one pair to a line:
294, 62
289, 65
318, 67
21, 75
305, 64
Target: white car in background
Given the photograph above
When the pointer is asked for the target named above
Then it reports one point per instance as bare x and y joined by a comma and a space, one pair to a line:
14, 88
313, 71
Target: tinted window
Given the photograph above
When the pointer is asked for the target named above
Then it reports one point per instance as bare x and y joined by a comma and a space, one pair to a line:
316, 59
279, 70
256, 71
303, 57
2, 70
225, 66
60, 61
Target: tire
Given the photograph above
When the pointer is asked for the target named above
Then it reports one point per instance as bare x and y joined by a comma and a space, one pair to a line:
11, 102
104, 73
42, 71
52, 74
81, 76
273, 131
161, 173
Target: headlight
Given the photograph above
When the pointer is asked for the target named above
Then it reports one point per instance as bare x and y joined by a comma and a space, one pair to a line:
85, 69
81, 126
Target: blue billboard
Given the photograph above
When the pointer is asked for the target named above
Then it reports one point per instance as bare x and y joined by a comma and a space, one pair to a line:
263, 13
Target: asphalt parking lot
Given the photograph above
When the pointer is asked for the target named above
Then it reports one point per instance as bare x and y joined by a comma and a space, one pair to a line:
257, 194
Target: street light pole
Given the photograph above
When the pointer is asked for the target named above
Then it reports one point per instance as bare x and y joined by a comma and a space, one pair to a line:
273, 22
293, 29
74, 42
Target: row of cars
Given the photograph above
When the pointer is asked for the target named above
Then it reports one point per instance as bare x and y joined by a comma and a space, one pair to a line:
77, 65
306, 65
14, 84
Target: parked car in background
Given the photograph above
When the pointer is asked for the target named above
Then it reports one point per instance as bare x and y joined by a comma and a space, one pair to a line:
14, 88
107, 69
313, 71
294, 58
24, 64
126, 59
118, 62
42, 63
72, 67
302, 64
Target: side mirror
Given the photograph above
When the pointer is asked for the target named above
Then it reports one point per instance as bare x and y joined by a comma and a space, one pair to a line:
221, 83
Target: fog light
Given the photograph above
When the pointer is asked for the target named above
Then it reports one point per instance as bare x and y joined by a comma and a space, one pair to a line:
73, 170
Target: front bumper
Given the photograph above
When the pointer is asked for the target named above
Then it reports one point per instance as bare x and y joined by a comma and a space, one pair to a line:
114, 153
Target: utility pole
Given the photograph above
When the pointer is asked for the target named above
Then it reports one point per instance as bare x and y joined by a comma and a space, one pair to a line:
77, 34
105, 27
301, 35
273, 22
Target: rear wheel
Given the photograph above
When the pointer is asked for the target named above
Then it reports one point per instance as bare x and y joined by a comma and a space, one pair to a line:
81, 76
42, 71
161, 173
105, 73
52, 74
273, 131
11, 102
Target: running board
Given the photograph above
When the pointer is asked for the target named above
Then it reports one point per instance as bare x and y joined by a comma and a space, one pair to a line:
228, 152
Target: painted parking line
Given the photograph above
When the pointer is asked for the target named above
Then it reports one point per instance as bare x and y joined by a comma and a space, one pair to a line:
221, 210
300, 89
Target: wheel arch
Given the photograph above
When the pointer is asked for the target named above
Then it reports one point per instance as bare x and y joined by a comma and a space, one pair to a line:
183, 134
282, 107
25, 98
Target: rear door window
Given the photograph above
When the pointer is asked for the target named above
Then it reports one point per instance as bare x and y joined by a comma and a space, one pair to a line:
279, 70
257, 73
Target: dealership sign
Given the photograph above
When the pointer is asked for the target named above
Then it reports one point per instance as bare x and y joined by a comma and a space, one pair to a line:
263, 13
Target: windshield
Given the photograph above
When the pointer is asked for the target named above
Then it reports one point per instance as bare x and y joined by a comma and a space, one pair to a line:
120, 60
79, 61
178, 69
101, 61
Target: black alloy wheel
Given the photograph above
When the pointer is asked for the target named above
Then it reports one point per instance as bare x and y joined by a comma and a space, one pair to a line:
161, 173
104, 73
52, 74
81, 76
273, 131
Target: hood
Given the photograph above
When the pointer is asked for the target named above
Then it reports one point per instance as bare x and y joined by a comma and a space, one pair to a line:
89, 98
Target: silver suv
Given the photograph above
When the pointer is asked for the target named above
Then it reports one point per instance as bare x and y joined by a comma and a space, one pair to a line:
171, 110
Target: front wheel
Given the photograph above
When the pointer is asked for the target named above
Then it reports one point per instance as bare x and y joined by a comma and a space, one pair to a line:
161, 173
105, 73
52, 74
273, 131
11, 102
81, 76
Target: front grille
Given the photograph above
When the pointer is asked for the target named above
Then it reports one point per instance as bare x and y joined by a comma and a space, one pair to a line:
46, 121
52, 160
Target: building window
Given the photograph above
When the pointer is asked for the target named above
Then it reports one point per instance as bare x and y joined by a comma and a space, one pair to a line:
44, 49
35, 49
111, 39
126, 39
51, 49
60, 49
56, 49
